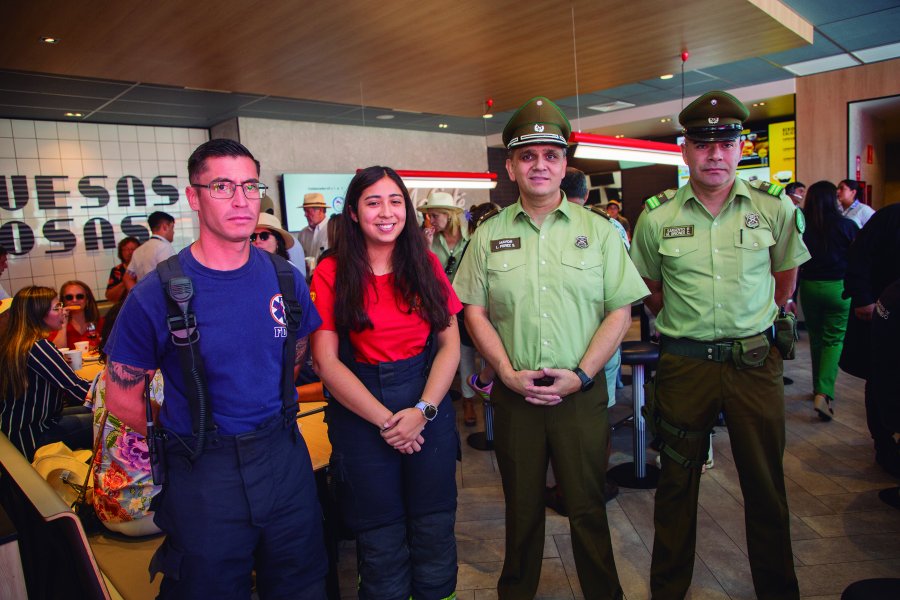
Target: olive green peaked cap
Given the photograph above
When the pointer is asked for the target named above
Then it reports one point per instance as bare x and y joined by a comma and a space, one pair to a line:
538, 121
714, 116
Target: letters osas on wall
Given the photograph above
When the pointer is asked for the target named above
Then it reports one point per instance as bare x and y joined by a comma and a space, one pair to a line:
53, 200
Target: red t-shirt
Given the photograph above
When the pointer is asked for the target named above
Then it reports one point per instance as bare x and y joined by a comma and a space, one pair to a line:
397, 334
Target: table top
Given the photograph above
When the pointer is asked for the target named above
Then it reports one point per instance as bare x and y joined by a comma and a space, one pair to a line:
89, 370
315, 433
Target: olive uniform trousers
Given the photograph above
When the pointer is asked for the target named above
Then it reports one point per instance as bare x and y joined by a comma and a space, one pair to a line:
574, 435
689, 394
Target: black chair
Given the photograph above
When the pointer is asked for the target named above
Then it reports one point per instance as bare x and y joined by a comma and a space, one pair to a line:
638, 474
484, 440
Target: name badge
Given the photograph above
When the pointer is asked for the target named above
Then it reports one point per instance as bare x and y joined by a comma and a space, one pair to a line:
678, 231
506, 244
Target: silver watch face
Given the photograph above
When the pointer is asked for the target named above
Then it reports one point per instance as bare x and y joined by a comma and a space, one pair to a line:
429, 410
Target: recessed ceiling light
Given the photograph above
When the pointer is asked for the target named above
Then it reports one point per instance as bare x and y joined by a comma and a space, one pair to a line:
74, 114
620, 136
611, 106
665, 120
487, 116
384, 117
442, 125
666, 76
49, 40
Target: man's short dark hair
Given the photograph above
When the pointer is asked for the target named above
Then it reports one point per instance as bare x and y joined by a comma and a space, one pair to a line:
158, 219
574, 184
792, 187
216, 149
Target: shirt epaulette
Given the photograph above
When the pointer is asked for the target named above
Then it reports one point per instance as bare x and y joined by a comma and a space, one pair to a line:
488, 215
773, 189
595, 208
660, 199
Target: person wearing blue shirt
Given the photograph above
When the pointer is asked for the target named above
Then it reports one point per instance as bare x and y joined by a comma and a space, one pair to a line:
248, 501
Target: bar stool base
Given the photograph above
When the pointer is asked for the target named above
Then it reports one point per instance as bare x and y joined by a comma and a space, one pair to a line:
479, 441
623, 474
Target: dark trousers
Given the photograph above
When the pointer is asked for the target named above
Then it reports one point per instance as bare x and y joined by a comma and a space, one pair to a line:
248, 502
689, 394
73, 427
574, 434
402, 507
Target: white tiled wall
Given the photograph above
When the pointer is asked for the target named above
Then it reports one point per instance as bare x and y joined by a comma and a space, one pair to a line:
76, 150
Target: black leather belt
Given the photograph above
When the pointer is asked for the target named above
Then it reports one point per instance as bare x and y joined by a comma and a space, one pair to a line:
716, 351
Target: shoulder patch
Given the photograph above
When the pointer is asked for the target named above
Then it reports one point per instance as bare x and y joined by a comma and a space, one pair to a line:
654, 202
773, 189
488, 215
595, 208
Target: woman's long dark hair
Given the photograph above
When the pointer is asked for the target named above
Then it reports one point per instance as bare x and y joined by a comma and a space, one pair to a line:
26, 326
415, 281
821, 212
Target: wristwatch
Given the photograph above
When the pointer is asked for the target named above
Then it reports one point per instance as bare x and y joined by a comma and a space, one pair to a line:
586, 382
428, 409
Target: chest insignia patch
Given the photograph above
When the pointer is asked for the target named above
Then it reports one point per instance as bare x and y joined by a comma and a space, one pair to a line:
678, 231
799, 220
276, 309
581, 241
751, 220
506, 244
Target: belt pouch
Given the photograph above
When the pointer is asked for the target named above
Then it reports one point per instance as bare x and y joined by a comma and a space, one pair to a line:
786, 335
750, 352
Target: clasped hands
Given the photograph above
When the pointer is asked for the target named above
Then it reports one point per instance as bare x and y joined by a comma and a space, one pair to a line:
403, 430
524, 383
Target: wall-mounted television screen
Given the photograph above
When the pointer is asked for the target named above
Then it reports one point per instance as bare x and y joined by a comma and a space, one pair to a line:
332, 186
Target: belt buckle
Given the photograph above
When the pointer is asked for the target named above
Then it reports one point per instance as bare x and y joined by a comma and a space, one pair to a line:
718, 351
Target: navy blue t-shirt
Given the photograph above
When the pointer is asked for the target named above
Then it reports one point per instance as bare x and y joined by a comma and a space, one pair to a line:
240, 316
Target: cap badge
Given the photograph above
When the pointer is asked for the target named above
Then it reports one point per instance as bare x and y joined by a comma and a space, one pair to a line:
713, 101
540, 102
539, 128
581, 241
751, 220
713, 120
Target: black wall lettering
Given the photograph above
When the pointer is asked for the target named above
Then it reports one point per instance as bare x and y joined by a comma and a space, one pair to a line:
19, 192
60, 236
97, 192
139, 231
94, 239
13, 231
164, 189
46, 193
124, 188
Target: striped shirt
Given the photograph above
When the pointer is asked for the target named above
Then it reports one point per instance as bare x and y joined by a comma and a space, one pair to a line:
50, 382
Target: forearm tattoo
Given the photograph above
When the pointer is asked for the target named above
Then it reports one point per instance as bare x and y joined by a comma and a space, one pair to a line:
125, 376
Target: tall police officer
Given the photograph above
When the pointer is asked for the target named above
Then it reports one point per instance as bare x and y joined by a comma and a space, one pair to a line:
549, 288
719, 257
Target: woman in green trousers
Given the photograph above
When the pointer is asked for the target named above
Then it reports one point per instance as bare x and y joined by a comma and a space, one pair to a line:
828, 236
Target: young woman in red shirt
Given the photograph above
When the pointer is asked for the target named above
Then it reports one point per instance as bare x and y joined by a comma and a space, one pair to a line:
387, 352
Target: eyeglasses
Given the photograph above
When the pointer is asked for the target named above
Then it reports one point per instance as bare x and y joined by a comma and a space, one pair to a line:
70, 297
451, 262
262, 236
225, 188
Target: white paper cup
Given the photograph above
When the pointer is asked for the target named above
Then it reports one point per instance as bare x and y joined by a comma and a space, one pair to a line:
82, 346
63, 351
74, 358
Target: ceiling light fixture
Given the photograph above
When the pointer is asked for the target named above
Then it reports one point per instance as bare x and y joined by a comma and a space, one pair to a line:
448, 179
442, 125
604, 147
74, 114
49, 40
666, 76
384, 117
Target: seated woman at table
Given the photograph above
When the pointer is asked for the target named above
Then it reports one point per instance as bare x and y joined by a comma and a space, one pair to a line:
83, 321
123, 484
387, 352
35, 382
115, 285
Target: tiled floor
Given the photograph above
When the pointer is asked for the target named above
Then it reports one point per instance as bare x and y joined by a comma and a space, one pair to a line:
841, 531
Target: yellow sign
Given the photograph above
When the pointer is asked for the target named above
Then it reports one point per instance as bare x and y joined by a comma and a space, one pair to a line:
782, 156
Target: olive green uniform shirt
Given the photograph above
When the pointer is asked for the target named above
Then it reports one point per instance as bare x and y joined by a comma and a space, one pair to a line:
547, 289
716, 272
445, 254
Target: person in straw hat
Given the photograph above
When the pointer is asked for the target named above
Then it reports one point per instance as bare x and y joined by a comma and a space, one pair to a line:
314, 237
269, 236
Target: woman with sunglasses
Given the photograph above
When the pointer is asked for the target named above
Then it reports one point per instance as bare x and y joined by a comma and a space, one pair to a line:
82, 317
35, 382
387, 351
269, 236
449, 236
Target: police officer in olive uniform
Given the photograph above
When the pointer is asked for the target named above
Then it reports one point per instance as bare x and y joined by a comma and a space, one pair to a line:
549, 288
720, 257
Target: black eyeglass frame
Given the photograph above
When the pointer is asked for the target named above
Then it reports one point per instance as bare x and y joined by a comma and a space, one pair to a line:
261, 187
262, 236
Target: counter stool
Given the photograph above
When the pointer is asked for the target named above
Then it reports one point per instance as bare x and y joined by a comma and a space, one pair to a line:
484, 440
638, 474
